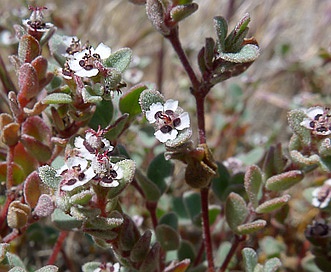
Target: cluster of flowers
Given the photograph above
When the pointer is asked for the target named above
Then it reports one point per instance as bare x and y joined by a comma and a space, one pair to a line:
89, 161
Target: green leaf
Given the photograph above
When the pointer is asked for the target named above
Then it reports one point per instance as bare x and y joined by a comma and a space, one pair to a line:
273, 204
221, 28
15, 261
149, 97
168, 237
236, 211
251, 227
48, 268
192, 203
57, 98
129, 101
253, 184
151, 191
295, 117
180, 12
119, 60
170, 219
213, 211
102, 115
248, 53
49, 176
220, 183
284, 181
160, 171
272, 265
274, 161
271, 247
90, 266
65, 221
249, 259
186, 251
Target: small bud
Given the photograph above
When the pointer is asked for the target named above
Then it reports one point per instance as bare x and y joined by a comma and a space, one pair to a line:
155, 13
18, 214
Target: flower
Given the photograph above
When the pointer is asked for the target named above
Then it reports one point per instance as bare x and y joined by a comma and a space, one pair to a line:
83, 63
36, 21
107, 173
92, 144
318, 120
108, 267
75, 173
168, 119
322, 195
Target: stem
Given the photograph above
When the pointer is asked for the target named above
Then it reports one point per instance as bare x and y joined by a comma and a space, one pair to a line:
175, 42
206, 229
57, 247
201, 118
151, 207
160, 70
237, 240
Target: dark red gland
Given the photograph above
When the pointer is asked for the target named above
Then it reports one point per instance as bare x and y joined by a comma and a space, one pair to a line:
176, 122
166, 129
71, 182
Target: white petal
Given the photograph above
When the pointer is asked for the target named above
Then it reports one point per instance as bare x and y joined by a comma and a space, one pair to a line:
116, 267
328, 182
71, 187
154, 108
184, 121
163, 137
79, 142
118, 170
74, 65
171, 105
79, 55
313, 111
76, 161
306, 123
87, 73
103, 50
114, 183
89, 174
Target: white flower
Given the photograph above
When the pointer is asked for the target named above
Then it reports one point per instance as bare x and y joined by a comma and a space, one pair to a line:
93, 143
75, 173
108, 268
168, 119
83, 63
322, 195
107, 173
318, 120
71, 45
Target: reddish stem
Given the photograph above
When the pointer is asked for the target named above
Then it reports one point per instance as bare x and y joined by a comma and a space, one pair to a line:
10, 165
199, 93
237, 240
206, 228
175, 42
57, 247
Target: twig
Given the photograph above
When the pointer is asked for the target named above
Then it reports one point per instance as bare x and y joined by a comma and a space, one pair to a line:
237, 240
206, 228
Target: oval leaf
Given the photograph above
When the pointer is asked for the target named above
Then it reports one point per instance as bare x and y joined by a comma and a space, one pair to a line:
284, 181
236, 211
168, 237
251, 227
119, 60
273, 204
129, 102
253, 184
57, 98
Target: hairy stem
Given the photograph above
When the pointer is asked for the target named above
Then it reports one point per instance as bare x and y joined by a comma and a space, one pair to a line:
57, 247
